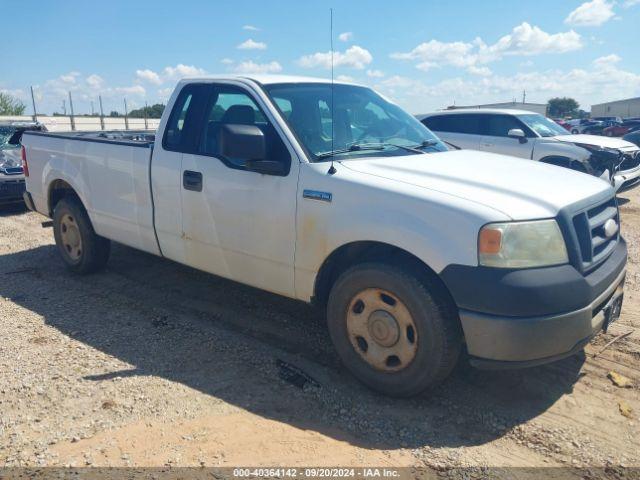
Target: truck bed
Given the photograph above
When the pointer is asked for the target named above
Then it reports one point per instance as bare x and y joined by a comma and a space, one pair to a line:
133, 138
110, 172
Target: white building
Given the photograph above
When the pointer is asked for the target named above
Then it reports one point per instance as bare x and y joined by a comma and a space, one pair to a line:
629, 107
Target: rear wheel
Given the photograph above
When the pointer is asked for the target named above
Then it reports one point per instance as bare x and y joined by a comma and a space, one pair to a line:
396, 333
81, 249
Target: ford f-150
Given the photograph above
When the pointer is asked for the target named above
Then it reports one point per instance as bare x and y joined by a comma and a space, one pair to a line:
330, 193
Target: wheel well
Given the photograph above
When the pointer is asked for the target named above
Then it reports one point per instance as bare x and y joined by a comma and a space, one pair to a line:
58, 190
354, 253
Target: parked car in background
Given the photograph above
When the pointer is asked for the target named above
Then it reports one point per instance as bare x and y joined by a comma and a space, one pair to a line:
563, 123
622, 128
579, 124
612, 120
633, 137
529, 135
595, 129
11, 171
411, 249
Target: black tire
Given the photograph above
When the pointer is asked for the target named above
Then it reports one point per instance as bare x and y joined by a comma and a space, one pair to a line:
94, 250
435, 317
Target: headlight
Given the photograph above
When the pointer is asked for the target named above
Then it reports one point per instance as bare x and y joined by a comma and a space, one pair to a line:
537, 243
9, 161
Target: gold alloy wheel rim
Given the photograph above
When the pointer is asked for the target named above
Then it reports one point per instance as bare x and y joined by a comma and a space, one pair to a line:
70, 236
382, 330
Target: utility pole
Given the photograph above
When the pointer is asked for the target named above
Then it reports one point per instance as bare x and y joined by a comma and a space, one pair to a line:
524, 96
146, 124
101, 112
126, 114
64, 107
73, 121
33, 102
92, 110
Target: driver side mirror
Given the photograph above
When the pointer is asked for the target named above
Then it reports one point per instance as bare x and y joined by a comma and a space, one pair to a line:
517, 133
247, 144
242, 142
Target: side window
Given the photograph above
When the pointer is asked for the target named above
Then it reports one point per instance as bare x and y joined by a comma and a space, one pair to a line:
499, 125
459, 123
186, 115
230, 105
433, 123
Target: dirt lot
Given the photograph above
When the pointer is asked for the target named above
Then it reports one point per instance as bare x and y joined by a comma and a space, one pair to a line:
153, 364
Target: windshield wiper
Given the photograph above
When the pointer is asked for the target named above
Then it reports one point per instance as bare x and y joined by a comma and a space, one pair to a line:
425, 144
352, 148
356, 147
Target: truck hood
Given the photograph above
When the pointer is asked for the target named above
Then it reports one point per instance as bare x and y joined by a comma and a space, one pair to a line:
597, 141
520, 189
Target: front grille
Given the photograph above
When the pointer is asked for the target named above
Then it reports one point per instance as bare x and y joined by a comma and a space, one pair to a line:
630, 161
595, 244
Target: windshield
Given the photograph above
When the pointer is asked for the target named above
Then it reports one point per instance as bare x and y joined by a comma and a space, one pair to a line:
361, 121
5, 135
542, 125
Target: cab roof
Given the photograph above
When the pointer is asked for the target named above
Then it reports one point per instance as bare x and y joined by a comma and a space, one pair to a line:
268, 79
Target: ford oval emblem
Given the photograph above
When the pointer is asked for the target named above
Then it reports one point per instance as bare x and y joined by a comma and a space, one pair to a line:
610, 228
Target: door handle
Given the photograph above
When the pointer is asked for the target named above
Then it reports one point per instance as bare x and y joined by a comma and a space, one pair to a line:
192, 180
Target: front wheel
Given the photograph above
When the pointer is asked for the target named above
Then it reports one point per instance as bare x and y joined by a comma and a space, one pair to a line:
81, 249
396, 333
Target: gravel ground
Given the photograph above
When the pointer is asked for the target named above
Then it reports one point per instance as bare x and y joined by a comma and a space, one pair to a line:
151, 363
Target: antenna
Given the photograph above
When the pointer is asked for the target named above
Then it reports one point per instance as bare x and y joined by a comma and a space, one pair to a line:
332, 169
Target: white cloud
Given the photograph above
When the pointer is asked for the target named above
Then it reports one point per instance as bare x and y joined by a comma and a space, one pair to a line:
149, 76
226, 61
481, 71
590, 85
252, 67
250, 28
252, 45
630, 3
165, 93
354, 57
181, 71
375, 73
608, 61
524, 40
95, 81
591, 14
136, 90
68, 78
345, 36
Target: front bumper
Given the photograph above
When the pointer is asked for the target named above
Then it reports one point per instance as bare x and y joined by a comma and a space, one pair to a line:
626, 179
522, 318
11, 189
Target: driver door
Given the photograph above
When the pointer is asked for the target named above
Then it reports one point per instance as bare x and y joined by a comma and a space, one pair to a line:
237, 223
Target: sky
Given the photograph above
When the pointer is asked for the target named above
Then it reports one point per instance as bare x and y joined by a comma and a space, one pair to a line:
423, 54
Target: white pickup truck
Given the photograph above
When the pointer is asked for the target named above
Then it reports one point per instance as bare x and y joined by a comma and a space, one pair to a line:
330, 193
